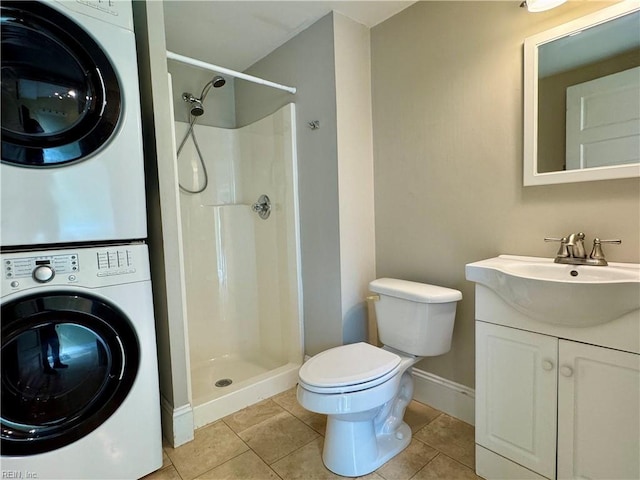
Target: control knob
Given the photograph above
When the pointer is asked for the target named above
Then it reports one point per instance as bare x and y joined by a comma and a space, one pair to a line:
43, 273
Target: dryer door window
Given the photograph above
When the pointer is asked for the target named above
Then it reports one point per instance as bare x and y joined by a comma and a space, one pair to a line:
61, 99
68, 362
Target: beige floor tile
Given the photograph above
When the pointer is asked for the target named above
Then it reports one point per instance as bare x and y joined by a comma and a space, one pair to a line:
404, 465
287, 399
247, 466
278, 436
168, 473
250, 416
212, 446
417, 415
451, 436
306, 464
289, 402
445, 468
286, 443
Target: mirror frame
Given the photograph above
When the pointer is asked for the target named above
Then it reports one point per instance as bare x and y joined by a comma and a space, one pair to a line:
531, 44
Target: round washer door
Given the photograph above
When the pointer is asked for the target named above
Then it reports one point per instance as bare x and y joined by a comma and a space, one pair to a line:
61, 99
68, 362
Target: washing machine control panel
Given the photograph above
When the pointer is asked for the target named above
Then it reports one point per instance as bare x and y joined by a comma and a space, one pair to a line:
42, 268
90, 267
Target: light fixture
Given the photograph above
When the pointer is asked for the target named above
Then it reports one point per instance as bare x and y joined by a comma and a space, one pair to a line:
541, 5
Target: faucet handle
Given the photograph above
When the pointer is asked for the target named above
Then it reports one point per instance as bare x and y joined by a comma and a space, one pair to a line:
562, 251
597, 252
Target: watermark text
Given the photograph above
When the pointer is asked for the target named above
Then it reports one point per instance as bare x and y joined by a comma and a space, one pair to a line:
18, 474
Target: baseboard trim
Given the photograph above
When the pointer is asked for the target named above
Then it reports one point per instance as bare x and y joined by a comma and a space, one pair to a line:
449, 397
177, 423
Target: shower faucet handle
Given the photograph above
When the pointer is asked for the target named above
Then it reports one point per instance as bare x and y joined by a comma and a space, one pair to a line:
262, 207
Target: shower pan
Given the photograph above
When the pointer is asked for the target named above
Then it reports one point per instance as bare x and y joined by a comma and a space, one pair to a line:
242, 267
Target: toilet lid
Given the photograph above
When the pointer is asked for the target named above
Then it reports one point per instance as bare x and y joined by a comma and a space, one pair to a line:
348, 365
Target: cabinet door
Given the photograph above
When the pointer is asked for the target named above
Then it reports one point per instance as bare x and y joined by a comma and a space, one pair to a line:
516, 391
598, 412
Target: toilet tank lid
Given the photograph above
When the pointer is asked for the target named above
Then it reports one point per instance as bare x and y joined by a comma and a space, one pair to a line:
414, 291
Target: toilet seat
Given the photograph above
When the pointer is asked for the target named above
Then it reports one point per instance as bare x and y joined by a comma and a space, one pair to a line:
349, 368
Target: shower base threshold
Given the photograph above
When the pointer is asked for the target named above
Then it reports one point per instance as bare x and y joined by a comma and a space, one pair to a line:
223, 401
207, 376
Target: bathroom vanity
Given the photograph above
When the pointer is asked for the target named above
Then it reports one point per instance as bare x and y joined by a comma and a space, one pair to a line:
556, 398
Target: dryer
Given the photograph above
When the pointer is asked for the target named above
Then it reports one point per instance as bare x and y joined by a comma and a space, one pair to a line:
79, 388
72, 162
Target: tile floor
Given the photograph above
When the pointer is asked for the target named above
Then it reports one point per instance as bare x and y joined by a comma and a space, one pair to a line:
278, 439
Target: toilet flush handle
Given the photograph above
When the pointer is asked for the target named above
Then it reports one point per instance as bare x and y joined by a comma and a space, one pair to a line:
373, 298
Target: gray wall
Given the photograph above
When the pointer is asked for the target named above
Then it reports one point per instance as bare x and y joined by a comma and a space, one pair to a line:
447, 128
165, 240
329, 63
307, 62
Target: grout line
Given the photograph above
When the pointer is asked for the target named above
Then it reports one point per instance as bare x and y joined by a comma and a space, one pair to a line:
301, 446
426, 464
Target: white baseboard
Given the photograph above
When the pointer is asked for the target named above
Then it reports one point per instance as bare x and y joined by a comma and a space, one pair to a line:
177, 423
449, 397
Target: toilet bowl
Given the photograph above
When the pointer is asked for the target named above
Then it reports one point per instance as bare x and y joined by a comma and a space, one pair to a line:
364, 390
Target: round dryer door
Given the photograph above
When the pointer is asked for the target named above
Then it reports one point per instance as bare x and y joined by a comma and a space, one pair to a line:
68, 362
61, 99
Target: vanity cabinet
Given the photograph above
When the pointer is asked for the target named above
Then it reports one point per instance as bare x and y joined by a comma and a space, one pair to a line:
549, 407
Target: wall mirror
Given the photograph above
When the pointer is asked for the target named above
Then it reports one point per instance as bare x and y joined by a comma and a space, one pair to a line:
582, 99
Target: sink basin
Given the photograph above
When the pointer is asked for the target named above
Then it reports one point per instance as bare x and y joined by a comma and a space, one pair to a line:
571, 295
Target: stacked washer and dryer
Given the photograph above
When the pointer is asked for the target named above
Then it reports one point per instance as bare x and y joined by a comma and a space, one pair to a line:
79, 385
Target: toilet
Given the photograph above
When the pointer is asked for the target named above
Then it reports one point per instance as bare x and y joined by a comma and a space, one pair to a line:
364, 390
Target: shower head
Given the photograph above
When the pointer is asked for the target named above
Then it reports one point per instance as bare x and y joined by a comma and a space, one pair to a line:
196, 108
215, 82
218, 81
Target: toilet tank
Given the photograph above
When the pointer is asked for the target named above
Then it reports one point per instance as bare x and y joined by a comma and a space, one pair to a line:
415, 318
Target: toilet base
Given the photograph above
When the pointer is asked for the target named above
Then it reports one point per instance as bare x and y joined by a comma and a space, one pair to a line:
352, 449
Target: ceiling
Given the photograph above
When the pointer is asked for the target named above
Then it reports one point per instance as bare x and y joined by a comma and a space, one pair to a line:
236, 34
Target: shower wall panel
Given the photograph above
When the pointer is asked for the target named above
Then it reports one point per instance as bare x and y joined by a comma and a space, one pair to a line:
242, 276
267, 167
219, 149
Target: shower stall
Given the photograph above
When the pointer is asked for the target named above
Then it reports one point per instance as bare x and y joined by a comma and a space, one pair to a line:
238, 205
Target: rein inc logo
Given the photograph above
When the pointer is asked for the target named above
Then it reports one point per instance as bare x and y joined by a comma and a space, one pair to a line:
18, 474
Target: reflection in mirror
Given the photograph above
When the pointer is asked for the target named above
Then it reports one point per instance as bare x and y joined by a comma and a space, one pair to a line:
582, 99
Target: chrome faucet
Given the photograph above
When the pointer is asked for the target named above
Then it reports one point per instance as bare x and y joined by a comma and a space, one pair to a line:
572, 250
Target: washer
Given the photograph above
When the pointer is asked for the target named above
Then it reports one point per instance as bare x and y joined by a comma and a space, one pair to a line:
72, 163
79, 388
